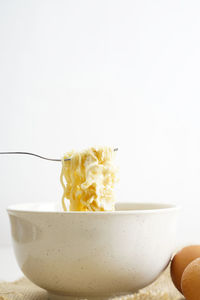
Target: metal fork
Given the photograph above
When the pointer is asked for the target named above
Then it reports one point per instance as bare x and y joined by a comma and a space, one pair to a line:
33, 154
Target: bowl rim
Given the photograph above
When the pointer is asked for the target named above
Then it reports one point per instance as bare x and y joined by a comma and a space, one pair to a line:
163, 207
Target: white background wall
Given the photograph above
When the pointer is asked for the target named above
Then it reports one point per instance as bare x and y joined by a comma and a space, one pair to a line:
123, 73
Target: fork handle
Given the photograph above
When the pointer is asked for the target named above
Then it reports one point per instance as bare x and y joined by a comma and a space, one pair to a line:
32, 154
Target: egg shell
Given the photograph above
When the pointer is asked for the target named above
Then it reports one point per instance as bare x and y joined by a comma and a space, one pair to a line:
190, 281
180, 262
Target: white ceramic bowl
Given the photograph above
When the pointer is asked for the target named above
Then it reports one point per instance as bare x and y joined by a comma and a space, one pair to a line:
76, 255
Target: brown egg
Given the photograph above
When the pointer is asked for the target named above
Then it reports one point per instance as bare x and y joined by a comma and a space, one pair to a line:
190, 281
180, 262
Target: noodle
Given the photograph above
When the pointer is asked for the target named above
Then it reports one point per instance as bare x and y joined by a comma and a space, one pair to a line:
88, 180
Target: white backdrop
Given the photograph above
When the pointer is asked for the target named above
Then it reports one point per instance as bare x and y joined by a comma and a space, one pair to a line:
81, 73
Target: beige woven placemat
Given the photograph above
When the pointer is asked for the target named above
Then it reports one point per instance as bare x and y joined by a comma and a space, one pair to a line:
23, 289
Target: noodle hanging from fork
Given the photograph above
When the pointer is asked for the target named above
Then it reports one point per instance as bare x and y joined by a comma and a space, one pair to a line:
88, 180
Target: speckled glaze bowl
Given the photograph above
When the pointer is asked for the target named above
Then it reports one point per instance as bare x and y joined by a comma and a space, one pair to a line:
93, 255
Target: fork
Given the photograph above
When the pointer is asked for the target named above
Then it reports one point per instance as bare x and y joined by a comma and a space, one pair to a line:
33, 154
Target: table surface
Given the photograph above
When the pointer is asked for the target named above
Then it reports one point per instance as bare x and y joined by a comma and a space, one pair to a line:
9, 270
